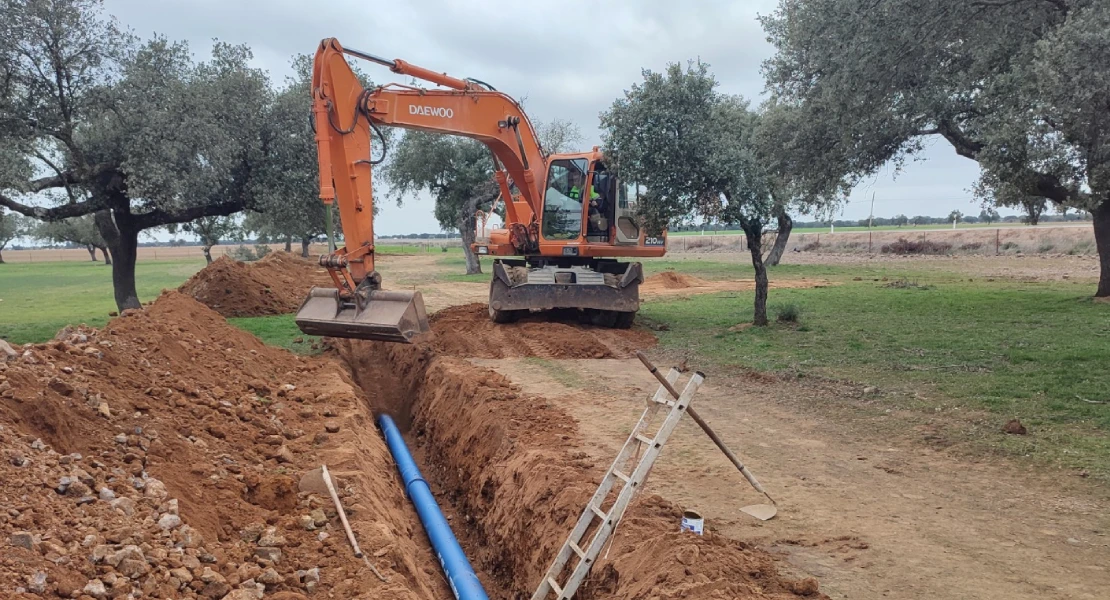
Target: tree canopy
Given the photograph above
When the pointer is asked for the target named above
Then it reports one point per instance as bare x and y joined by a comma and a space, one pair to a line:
12, 226
694, 150
1020, 86
144, 136
74, 230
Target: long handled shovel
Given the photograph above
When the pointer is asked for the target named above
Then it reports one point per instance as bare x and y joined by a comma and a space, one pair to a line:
763, 512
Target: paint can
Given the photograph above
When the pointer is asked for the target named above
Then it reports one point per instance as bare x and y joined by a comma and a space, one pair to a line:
692, 521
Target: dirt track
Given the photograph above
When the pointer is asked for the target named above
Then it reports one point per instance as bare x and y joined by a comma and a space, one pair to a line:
871, 514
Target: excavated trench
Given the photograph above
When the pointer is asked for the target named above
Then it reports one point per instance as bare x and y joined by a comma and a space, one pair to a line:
508, 471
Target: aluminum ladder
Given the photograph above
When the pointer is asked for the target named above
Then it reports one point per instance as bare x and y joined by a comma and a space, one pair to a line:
603, 522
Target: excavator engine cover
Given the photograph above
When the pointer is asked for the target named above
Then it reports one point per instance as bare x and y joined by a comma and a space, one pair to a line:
387, 316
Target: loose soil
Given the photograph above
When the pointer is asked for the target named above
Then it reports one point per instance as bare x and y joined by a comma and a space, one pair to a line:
468, 331
277, 284
161, 454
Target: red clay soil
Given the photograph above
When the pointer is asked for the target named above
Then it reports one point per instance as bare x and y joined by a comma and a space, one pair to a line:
509, 464
275, 285
468, 331
671, 280
161, 453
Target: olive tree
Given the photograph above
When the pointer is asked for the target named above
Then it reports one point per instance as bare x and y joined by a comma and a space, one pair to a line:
12, 226
148, 136
288, 203
210, 230
75, 230
456, 171
1019, 86
693, 149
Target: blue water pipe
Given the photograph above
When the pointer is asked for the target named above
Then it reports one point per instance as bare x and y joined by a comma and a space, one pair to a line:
460, 575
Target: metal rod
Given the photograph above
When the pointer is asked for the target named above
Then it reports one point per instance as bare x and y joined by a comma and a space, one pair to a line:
705, 427
370, 57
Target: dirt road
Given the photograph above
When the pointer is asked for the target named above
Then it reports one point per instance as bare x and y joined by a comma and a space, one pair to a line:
870, 516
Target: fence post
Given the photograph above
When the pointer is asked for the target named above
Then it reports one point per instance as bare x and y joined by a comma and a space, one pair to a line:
997, 235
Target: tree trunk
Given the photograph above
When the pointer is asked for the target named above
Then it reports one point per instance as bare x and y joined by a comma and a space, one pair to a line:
107, 256
754, 230
785, 225
305, 243
1101, 215
288, 243
467, 222
92, 251
122, 237
1, 257
208, 254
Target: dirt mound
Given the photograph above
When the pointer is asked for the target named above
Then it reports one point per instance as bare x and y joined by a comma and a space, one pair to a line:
161, 454
510, 465
468, 331
671, 280
275, 285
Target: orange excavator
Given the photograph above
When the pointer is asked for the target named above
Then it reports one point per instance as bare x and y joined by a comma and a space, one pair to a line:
567, 217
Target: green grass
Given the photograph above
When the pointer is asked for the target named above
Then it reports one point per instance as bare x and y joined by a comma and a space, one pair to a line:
38, 299
1032, 351
278, 330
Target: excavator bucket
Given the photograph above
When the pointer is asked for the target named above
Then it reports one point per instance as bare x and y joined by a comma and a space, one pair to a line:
392, 316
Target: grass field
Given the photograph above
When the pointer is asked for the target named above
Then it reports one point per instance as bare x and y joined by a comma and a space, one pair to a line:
933, 342
38, 299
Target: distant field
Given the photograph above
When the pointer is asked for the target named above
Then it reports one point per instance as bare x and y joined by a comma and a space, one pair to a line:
906, 228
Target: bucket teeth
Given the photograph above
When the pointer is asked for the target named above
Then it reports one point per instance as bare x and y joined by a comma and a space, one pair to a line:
388, 316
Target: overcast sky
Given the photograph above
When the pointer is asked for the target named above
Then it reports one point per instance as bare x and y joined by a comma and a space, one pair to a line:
569, 58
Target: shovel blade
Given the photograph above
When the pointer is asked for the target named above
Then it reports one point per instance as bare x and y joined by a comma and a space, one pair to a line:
763, 512
387, 316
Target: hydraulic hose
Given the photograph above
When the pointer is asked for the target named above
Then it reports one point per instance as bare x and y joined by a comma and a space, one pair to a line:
460, 575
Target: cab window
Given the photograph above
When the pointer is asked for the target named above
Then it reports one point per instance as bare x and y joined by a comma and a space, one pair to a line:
562, 200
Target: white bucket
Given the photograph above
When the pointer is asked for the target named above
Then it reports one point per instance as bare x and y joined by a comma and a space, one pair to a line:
692, 521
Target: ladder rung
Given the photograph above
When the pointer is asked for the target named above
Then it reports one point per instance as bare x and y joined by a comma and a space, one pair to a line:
644, 439
555, 586
597, 511
580, 552
621, 476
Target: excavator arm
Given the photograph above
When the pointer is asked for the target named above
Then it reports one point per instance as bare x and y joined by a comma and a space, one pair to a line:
345, 116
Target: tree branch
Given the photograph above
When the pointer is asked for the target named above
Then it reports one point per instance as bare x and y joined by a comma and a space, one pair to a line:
158, 217
964, 145
57, 213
